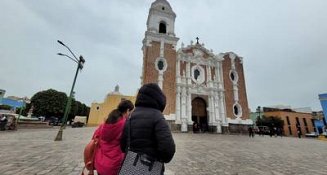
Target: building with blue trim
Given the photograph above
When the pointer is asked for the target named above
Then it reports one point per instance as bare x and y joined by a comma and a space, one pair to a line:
12, 102
323, 102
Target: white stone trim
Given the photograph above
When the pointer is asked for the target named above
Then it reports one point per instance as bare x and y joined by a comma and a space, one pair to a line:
161, 72
239, 108
170, 117
236, 77
162, 47
165, 64
201, 77
240, 121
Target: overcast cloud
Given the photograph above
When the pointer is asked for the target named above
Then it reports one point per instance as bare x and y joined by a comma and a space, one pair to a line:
283, 43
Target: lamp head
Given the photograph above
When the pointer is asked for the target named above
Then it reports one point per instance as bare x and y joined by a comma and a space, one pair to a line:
60, 42
81, 62
81, 59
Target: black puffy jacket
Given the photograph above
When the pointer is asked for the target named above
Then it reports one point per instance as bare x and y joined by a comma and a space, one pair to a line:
150, 133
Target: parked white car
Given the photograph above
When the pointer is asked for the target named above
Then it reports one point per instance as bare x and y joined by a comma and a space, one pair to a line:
312, 134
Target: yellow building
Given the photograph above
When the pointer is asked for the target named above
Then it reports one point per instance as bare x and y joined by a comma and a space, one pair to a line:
99, 111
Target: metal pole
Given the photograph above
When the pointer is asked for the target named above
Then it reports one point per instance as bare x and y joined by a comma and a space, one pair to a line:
67, 109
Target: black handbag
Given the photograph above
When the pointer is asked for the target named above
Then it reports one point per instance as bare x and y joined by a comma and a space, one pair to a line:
138, 163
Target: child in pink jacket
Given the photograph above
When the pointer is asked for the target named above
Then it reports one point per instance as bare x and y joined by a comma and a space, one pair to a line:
108, 156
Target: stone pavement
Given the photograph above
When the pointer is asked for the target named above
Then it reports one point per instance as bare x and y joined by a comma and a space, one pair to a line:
33, 151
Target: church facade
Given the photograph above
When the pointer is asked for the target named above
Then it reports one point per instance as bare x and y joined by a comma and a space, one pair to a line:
201, 87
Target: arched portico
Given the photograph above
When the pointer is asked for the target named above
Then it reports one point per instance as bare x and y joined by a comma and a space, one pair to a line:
199, 113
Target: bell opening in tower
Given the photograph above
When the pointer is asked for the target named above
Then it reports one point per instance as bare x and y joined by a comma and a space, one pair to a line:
162, 27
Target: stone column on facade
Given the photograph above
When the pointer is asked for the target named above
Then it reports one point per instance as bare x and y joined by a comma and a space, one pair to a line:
216, 108
209, 78
222, 107
208, 73
178, 74
210, 109
189, 104
178, 92
178, 105
183, 106
188, 73
218, 75
217, 112
219, 131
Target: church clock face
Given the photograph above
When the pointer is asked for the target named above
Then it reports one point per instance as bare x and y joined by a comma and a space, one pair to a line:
198, 74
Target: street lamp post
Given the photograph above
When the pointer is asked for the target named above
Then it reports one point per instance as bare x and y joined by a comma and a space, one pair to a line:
80, 63
259, 110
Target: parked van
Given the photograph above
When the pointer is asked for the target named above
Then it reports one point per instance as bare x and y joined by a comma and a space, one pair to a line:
79, 121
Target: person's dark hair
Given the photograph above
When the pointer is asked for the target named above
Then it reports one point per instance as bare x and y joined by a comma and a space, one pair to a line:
125, 105
114, 116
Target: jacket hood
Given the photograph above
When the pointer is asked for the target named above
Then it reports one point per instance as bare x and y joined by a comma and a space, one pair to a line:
113, 131
150, 95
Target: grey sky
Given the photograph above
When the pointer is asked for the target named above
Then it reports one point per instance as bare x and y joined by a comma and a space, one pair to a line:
283, 43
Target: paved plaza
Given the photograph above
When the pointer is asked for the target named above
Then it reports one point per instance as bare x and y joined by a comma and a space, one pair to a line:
33, 151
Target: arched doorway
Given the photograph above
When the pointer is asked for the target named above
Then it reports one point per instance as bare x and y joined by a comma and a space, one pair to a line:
199, 113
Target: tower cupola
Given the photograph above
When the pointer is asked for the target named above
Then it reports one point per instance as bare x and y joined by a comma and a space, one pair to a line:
161, 18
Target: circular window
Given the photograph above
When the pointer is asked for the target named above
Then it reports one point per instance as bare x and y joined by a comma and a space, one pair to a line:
163, 8
98, 107
161, 64
233, 76
237, 110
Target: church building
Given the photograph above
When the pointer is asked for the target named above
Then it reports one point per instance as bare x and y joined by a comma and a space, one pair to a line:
201, 86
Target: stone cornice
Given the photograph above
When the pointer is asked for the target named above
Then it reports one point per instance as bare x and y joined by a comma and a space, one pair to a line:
150, 36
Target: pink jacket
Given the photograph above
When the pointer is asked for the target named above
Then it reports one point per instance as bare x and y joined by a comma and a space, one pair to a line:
109, 157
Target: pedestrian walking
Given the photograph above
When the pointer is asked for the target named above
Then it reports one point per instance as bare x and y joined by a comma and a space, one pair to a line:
299, 133
251, 132
3, 122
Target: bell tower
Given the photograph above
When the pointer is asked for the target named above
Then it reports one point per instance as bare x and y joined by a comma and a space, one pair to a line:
159, 53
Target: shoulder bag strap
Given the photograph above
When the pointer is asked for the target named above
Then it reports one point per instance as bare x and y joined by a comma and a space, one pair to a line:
129, 132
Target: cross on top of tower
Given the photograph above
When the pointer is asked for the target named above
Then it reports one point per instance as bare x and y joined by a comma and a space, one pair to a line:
197, 40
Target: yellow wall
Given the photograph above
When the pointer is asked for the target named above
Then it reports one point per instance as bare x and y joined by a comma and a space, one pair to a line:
99, 111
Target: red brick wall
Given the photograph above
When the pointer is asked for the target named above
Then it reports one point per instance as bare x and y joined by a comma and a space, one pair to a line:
292, 118
228, 85
151, 73
243, 100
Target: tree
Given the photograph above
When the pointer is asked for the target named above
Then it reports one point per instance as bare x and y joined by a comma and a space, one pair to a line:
49, 103
24, 110
5, 107
270, 121
52, 103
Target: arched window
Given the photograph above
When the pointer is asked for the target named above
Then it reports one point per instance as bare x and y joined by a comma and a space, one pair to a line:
162, 27
196, 74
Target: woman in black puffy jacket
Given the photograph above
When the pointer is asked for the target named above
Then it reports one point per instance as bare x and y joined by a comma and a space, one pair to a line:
150, 133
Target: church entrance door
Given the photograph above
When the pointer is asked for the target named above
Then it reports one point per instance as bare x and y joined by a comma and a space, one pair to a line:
199, 115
